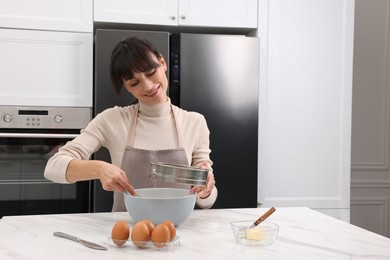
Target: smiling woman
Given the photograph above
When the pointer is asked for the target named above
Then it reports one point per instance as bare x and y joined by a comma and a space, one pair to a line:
137, 135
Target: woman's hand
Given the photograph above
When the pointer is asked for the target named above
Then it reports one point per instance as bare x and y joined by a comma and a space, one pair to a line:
205, 191
111, 177
114, 179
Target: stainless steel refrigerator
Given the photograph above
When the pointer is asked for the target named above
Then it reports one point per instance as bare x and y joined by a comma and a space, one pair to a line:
215, 75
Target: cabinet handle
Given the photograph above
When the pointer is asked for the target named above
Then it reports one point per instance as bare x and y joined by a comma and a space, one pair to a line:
173, 17
183, 17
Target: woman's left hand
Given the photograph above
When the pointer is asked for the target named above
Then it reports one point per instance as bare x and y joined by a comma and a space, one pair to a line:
204, 191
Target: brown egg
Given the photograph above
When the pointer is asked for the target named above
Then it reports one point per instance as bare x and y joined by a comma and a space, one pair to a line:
120, 233
172, 228
150, 225
140, 234
161, 235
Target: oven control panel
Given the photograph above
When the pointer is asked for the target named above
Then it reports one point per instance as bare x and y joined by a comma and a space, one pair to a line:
44, 117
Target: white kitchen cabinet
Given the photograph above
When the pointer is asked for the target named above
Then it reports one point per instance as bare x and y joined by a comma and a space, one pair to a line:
214, 13
46, 67
306, 59
162, 12
59, 15
218, 13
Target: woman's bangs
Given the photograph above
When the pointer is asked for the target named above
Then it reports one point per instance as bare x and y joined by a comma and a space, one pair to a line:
137, 62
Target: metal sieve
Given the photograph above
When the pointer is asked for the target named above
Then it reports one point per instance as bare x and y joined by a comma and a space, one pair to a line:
177, 173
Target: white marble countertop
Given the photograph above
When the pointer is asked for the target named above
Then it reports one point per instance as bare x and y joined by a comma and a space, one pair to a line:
303, 234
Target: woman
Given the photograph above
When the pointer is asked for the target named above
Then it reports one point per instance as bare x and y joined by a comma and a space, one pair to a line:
151, 130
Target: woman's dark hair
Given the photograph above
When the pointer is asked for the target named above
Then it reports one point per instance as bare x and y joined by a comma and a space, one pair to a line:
131, 55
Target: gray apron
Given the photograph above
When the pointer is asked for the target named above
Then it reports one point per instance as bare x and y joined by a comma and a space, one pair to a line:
136, 164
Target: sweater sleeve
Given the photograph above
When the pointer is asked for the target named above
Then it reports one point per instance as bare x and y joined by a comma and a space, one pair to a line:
82, 147
209, 201
201, 150
201, 154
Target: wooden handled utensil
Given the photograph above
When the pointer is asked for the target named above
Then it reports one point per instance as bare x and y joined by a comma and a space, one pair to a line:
263, 217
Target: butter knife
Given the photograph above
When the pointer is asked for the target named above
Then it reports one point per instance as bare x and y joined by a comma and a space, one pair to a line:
263, 217
83, 242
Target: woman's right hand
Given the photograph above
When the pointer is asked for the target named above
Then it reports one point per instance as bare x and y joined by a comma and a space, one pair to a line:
114, 179
111, 177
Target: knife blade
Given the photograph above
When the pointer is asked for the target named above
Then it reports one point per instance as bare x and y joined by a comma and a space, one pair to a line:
81, 241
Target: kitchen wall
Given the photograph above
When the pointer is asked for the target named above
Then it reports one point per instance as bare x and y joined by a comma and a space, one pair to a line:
370, 172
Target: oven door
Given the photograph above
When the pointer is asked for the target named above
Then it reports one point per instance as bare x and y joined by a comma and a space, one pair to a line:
23, 187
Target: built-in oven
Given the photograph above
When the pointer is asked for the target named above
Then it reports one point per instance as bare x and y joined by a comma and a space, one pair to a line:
29, 136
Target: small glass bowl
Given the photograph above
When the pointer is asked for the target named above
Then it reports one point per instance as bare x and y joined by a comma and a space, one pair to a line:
144, 245
262, 235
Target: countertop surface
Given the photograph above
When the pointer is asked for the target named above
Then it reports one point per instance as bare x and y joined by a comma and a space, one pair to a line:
206, 234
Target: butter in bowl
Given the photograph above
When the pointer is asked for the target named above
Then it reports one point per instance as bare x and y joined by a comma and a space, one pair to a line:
252, 233
261, 235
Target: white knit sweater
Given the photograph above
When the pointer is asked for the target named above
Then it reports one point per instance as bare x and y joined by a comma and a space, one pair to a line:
155, 130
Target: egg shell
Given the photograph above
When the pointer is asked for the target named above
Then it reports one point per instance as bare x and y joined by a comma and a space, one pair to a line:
120, 233
150, 225
140, 234
172, 228
161, 235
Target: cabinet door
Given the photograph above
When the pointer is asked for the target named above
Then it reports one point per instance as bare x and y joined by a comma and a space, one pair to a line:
158, 12
305, 112
59, 15
45, 68
218, 13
